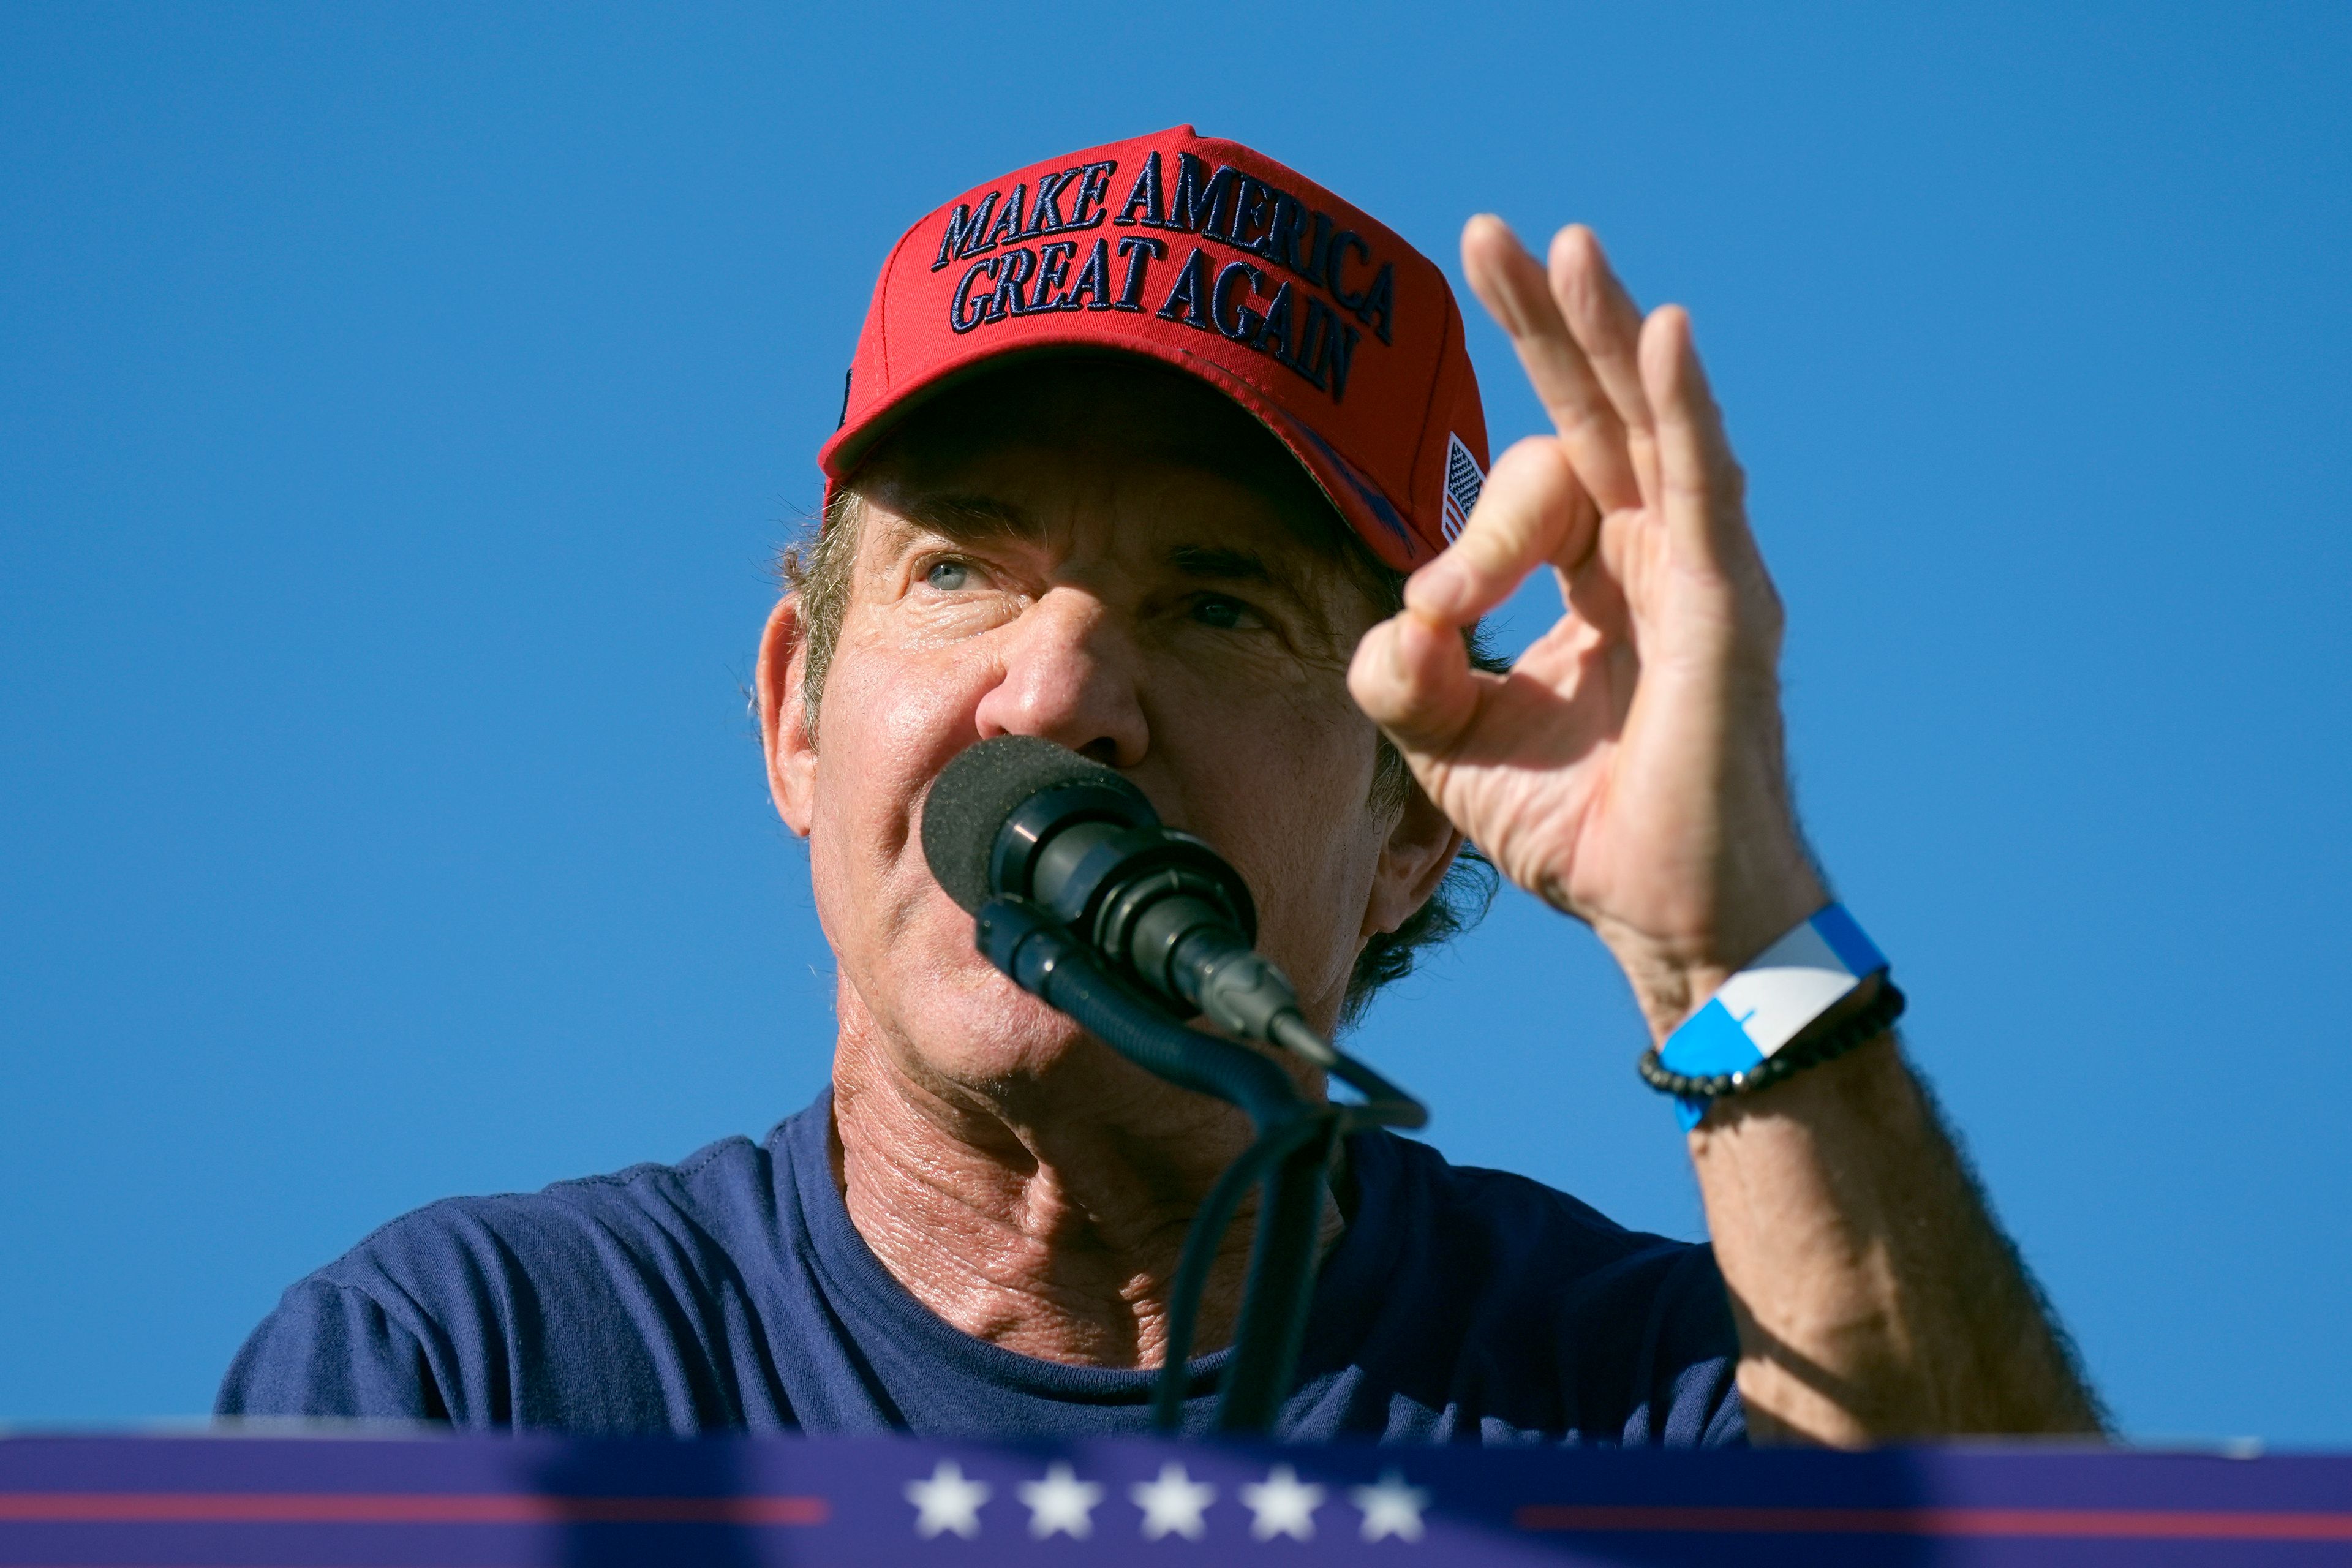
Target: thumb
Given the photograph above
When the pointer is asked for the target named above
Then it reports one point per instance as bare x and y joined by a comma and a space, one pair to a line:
1412, 676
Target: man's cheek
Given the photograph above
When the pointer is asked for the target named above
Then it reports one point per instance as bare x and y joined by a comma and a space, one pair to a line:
911, 707
1309, 863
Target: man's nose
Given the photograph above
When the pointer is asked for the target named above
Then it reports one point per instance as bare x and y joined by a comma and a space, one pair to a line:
1070, 675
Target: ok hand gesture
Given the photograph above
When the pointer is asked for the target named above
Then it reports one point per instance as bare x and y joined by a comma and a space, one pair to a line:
1629, 769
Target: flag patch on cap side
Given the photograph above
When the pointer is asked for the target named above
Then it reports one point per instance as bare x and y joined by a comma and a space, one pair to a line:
1464, 480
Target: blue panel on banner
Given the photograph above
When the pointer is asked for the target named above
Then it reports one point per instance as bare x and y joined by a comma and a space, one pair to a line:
503, 1503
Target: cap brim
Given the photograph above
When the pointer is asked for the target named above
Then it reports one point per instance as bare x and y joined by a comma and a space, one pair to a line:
1370, 511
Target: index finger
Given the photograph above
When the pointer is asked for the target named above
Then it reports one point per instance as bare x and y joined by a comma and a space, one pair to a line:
1514, 287
1532, 510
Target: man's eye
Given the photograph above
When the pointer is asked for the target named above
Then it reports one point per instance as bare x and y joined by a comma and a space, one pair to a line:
949, 576
1225, 614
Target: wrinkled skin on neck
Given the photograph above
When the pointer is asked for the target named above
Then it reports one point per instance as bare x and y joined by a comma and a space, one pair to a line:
1118, 561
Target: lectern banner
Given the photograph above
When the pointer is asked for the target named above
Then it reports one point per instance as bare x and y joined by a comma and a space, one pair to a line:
374, 1501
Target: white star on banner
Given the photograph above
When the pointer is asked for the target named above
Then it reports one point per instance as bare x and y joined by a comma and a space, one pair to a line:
1391, 1508
1173, 1504
1061, 1502
1283, 1505
947, 1501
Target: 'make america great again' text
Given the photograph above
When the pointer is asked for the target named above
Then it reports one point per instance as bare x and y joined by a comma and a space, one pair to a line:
1018, 267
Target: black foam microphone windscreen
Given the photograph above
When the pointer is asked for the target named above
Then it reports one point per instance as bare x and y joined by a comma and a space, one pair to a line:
975, 792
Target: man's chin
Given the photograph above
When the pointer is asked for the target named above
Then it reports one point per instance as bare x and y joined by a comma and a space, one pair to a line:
1000, 1036
977, 1046
967, 1024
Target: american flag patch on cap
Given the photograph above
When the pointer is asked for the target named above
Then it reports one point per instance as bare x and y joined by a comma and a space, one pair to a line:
1463, 483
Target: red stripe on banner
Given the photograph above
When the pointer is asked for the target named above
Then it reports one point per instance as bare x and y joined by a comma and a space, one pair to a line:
2119, 1523
399, 1507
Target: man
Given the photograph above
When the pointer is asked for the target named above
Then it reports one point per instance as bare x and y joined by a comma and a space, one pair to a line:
1137, 448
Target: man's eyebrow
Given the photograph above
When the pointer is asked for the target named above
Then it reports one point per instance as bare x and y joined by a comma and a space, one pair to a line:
1227, 565
969, 515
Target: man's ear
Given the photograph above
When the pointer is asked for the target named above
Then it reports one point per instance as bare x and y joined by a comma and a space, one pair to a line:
784, 734
1419, 852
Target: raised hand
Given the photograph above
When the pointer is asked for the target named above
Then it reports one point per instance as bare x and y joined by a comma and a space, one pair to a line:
1629, 769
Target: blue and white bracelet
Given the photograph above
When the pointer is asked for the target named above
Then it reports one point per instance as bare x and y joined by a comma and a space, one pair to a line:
1758, 1028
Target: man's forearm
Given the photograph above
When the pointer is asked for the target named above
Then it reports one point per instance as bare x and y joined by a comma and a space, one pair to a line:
1876, 1299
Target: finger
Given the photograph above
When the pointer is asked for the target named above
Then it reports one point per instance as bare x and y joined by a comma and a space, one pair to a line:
1533, 509
1604, 319
1608, 326
1512, 287
1701, 486
1412, 677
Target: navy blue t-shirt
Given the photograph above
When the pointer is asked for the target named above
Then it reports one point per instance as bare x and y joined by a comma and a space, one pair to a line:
732, 1292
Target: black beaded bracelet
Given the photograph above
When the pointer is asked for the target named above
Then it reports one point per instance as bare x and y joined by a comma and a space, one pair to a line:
1859, 1027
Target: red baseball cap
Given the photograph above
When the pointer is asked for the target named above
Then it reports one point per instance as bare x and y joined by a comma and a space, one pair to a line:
1343, 340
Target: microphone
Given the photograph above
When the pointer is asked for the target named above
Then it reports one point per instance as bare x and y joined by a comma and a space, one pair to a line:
1076, 888
1019, 817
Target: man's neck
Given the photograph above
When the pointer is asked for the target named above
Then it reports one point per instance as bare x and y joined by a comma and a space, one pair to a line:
1045, 1216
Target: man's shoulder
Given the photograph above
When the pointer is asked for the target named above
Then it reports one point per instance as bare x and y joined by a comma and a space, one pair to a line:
1502, 1247
1508, 1306
1486, 1202
647, 1218
599, 1304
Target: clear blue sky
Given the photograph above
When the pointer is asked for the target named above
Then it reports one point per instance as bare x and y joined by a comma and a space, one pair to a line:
398, 406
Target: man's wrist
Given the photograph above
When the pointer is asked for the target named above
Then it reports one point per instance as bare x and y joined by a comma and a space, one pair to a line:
1672, 978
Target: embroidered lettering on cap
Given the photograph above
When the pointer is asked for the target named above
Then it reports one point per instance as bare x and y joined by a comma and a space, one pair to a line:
1222, 205
1224, 301
970, 230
